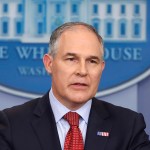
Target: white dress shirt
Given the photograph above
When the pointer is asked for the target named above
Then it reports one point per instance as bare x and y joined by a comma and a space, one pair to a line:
63, 126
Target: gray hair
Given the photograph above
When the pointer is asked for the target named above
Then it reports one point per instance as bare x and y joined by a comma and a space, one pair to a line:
67, 26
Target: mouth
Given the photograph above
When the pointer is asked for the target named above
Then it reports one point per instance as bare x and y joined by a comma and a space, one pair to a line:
79, 86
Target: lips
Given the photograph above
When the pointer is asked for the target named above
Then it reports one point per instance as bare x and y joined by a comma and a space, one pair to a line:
79, 86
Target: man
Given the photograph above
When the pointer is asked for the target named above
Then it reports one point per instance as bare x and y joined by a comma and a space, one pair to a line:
75, 63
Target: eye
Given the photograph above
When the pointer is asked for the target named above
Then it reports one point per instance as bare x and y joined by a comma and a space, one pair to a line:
93, 61
70, 59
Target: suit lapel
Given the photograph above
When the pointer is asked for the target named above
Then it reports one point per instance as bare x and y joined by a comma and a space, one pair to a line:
44, 125
99, 124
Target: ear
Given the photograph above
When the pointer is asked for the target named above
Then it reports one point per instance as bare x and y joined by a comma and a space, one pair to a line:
47, 60
103, 65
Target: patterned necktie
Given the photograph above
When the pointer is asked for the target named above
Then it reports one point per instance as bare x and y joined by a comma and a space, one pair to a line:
74, 140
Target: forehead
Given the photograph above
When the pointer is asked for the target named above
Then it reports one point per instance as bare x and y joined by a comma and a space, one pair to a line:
79, 40
79, 33
80, 29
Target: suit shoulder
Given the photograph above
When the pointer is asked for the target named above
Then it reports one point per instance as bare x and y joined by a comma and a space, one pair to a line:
115, 110
23, 109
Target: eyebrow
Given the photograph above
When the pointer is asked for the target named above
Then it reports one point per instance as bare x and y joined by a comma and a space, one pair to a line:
90, 57
70, 54
94, 57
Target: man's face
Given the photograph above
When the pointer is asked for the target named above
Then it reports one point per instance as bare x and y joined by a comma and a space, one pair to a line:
76, 68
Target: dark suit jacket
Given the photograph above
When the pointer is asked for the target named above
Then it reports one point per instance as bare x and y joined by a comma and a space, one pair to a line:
31, 126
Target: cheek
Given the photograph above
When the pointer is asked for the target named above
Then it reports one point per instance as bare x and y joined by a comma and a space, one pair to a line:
61, 73
95, 77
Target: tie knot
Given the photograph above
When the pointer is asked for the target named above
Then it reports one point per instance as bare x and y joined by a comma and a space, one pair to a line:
72, 118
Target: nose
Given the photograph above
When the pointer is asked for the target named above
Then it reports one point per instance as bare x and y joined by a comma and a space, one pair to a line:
82, 69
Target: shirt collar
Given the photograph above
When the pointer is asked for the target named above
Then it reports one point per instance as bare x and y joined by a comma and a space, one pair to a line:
60, 110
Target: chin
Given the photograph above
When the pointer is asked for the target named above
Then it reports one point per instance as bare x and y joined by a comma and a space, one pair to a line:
81, 99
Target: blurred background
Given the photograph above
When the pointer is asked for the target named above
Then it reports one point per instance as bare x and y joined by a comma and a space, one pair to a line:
25, 29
